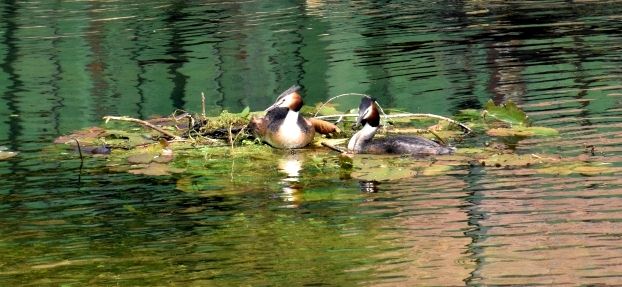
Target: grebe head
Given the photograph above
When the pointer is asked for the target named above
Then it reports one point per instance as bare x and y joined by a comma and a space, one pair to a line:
369, 118
290, 99
368, 112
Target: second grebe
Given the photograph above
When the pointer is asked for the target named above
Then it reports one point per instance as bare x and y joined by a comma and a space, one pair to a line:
363, 142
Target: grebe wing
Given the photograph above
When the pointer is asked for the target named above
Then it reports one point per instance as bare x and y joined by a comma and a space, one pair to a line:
407, 145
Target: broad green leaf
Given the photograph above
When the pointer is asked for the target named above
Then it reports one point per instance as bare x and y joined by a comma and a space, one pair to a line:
245, 112
508, 112
468, 115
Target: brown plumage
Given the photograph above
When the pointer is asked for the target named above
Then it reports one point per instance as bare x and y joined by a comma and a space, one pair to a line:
323, 127
284, 127
259, 125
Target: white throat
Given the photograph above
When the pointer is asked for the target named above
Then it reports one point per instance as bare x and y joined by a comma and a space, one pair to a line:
361, 137
291, 118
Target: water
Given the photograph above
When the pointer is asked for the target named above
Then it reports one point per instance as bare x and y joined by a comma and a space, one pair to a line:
65, 64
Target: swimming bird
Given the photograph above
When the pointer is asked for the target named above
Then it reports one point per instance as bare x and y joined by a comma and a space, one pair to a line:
363, 142
284, 127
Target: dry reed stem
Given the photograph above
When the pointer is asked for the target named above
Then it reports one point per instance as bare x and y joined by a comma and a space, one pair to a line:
405, 115
203, 104
335, 148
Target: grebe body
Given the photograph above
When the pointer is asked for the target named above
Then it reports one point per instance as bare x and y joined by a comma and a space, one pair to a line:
363, 141
283, 126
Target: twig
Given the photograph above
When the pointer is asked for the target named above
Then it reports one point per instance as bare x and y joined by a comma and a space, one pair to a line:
230, 135
144, 123
337, 149
339, 116
190, 135
438, 137
80, 151
81, 162
239, 133
203, 104
336, 97
348, 94
405, 115
181, 117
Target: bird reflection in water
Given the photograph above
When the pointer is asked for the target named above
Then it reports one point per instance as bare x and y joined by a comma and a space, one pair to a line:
291, 165
369, 186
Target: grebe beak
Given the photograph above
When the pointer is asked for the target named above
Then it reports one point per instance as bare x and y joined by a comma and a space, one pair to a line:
275, 105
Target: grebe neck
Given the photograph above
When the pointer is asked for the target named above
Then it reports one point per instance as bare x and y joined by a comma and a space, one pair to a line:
362, 137
291, 117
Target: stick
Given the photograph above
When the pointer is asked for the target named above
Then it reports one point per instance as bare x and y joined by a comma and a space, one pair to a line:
81, 161
203, 104
438, 137
230, 135
144, 123
337, 149
80, 151
335, 97
405, 115
349, 94
339, 116
464, 127
239, 133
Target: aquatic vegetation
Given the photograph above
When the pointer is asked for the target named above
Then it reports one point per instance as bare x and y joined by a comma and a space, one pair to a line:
208, 153
515, 122
507, 112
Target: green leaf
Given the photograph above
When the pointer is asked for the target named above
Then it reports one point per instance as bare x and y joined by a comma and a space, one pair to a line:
125, 139
507, 112
245, 112
468, 115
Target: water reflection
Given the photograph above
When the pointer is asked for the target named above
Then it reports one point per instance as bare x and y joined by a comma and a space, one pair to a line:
428, 219
291, 165
369, 186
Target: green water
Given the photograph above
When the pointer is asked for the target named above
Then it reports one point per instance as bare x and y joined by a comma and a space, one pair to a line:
294, 220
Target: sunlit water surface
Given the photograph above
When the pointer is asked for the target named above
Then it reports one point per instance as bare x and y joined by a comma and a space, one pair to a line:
65, 64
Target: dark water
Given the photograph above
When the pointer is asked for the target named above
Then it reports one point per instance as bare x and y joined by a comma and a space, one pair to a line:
65, 64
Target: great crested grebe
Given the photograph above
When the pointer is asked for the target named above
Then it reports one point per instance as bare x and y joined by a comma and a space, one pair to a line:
284, 127
363, 142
